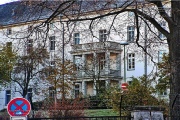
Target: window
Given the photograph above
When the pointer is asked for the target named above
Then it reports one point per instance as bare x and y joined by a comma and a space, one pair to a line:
29, 93
8, 96
9, 46
102, 35
129, 82
30, 28
131, 61
76, 38
131, 14
29, 46
160, 55
130, 33
51, 92
51, 25
52, 63
9, 31
77, 89
163, 25
102, 62
77, 61
52, 42
163, 93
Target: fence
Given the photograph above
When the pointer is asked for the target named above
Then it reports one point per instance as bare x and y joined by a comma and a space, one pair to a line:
86, 118
79, 118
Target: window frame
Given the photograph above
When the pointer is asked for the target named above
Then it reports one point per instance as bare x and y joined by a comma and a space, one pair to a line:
29, 46
102, 63
30, 28
77, 90
131, 14
9, 31
76, 38
130, 33
9, 46
52, 40
77, 62
51, 92
7, 96
102, 35
52, 63
163, 93
29, 93
130, 61
161, 54
51, 25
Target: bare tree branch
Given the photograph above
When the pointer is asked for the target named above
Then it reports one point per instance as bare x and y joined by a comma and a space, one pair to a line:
162, 11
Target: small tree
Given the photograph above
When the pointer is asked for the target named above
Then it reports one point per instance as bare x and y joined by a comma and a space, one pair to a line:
140, 93
7, 62
29, 68
163, 74
61, 77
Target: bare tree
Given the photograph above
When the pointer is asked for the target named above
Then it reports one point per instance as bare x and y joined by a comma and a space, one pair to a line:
76, 11
28, 68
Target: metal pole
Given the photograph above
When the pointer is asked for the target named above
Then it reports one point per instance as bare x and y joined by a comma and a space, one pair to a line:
124, 44
120, 106
145, 54
124, 65
63, 91
63, 59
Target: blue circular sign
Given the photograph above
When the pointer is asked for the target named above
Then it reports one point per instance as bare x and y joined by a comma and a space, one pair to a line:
19, 107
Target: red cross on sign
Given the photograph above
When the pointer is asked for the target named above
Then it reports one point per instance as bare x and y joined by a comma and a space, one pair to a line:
19, 107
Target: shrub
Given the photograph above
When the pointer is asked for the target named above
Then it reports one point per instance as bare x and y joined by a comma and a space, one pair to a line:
65, 108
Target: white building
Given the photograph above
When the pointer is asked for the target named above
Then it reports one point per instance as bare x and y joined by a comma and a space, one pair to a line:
98, 52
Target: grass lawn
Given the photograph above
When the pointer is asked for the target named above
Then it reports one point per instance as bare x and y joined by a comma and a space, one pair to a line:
101, 112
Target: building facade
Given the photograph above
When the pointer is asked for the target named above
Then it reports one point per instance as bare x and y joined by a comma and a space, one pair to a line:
104, 54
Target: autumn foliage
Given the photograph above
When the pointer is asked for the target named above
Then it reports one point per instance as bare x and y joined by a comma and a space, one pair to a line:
62, 108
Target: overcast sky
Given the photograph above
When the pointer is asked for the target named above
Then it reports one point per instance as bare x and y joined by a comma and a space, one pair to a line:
6, 1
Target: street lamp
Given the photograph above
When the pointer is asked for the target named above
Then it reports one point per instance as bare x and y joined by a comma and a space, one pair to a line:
124, 44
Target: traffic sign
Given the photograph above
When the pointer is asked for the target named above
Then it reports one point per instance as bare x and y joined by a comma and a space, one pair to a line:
124, 86
19, 107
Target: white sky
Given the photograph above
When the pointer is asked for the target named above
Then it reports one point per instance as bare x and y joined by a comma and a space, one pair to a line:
6, 1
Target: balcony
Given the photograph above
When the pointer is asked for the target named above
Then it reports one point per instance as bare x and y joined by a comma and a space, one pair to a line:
103, 73
95, 46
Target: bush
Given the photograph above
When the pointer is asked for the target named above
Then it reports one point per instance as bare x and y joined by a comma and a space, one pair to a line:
62, 108
96, 102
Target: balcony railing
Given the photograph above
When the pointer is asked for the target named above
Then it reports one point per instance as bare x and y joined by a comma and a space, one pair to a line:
102, 73
96, 46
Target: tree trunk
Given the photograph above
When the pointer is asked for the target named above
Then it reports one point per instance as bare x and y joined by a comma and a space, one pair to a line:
174, 51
